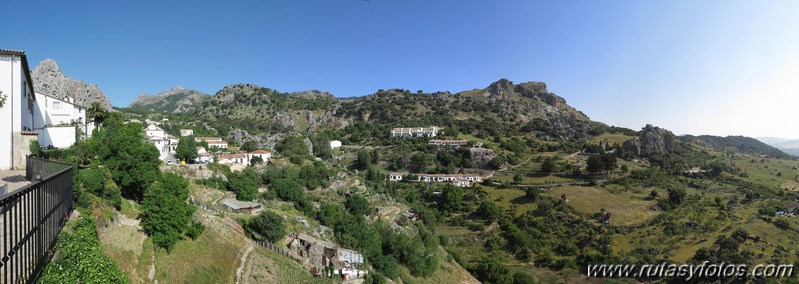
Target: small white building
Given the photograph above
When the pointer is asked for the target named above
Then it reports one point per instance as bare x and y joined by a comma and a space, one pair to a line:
186, 132
335, 144
265, 155
449, 143
153, 130
213, 142
16, 114
238, 158
407, 132
462, 180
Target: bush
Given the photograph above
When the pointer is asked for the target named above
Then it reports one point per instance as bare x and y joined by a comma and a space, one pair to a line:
267, 226
81, 258
195, 230
245, 184
288, 190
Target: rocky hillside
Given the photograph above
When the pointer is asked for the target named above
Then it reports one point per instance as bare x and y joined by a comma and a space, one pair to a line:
501, 108
48, 79
175, 100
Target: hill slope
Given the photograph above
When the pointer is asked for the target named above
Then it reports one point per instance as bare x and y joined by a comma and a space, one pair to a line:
175, 100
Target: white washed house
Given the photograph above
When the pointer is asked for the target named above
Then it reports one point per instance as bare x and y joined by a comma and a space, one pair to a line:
16, 115
462, 180
186, 132
213, 142
56, 118
335, 144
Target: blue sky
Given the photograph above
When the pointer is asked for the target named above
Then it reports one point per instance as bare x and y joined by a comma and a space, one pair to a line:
694, 67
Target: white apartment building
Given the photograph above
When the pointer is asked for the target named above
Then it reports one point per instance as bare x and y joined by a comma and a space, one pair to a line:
55, 120
462, 180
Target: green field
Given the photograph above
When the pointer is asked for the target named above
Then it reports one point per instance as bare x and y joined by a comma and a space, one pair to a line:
627, 208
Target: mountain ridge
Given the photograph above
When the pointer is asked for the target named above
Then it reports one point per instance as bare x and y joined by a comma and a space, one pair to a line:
49, 79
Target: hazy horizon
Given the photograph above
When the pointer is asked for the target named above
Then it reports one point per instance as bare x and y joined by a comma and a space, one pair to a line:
690, 67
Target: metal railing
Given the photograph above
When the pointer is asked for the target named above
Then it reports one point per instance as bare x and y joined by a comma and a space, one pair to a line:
31, 218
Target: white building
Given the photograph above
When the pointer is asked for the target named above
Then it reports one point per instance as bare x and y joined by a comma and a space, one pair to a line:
450, 143
265, 155
205, 157
244, 158
213, 142
166, 144
335, 144
462, 180
16, 115
406, 132
186, 132
56, 119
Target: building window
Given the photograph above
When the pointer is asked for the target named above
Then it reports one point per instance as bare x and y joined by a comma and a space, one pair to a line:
56, 105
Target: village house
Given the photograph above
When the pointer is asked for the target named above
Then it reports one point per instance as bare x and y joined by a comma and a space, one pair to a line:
335, 144
204, 156
213, 142
449, 143
407, 132
56, 120
166, 144
318, 255
244, 158
186, 132
264, 155
16, 115
461, 180
238, 158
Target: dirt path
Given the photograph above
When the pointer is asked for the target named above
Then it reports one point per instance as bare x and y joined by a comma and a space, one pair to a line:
240, 270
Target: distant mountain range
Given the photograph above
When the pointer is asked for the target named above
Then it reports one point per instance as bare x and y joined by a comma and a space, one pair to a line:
790, 146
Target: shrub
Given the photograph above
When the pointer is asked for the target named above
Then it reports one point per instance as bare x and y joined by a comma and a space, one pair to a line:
267, 226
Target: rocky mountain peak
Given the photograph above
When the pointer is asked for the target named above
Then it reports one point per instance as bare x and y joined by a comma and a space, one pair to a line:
177, 99
48, 79
500, 89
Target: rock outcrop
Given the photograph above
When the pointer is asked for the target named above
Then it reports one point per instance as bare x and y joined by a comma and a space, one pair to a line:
651, 141
481, 157
48, 79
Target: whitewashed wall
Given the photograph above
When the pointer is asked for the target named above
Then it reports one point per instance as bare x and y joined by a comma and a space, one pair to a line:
59, 137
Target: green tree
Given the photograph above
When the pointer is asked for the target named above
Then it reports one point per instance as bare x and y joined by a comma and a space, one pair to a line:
595, 164
488, 210
453, 198
187, 149
256, 160
292, 146
288, 190
245, 184
549, 165
267, 226
123, 150
249, 146
363, 160
165, 212
357, 205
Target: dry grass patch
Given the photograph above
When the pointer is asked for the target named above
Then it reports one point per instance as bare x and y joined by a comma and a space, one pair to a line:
626, 208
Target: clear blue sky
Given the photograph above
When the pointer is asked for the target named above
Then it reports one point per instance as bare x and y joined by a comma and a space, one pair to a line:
695, 67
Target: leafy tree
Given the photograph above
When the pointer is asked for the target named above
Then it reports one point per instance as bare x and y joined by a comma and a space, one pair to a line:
488, 210
517, 178
267, 226
2, 99
453, 198
122, 149
496, 163
165, 212
245, 184
489, 269
676, 196
249, 146
357, 205
595, 164
363, 160
549, 165
609, 162
256, 160
288, 190
187, 149
292, 146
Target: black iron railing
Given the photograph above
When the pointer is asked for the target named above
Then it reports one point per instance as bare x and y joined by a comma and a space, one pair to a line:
31, 218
